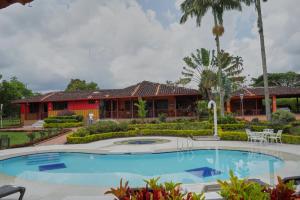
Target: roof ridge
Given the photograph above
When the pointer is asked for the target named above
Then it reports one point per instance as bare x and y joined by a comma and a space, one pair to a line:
136, 89
47, 96
157, 89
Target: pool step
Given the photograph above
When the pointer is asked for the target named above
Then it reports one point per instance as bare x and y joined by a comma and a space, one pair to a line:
42, 158
205, 138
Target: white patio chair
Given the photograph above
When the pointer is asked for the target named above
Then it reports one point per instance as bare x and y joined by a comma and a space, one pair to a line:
276, 137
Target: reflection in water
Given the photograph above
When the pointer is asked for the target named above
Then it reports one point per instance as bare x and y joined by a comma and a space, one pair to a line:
272, 172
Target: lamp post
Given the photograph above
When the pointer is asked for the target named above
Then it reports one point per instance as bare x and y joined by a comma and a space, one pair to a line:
212, 105
242, 104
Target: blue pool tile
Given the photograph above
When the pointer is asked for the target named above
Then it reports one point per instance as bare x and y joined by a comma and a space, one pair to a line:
52, 166
203, 172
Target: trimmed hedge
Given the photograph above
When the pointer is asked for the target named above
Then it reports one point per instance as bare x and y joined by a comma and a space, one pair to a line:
79, 118
233, 135
242, 136
54, 120
173, 126
63, 125
75, 139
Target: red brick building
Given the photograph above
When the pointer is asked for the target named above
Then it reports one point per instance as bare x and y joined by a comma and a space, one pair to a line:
115, 103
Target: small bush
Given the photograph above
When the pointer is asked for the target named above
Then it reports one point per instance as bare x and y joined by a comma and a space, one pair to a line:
227, 119
55, 120
162, 117
31, 136
65, 113
255, 121
107, 126
233, 135
232, 127
282, 117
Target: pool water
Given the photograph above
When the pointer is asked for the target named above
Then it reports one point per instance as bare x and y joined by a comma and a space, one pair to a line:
107, 170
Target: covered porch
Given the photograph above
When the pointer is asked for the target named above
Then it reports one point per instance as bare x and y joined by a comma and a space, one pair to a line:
250, 104
171, 106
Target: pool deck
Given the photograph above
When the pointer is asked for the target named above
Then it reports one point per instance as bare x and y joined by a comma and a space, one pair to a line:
46, 191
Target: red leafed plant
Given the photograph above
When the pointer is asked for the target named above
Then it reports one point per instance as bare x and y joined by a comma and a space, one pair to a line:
153, 191
282, 191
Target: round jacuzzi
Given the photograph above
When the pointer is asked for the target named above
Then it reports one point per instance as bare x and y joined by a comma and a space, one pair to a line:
141, 141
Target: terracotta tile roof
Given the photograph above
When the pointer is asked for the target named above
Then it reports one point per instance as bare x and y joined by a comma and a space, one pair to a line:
280, 91
142, 89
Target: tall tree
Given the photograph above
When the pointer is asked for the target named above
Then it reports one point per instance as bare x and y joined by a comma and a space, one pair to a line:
288, 79
10, 90
198, 9
81, 85
263, 53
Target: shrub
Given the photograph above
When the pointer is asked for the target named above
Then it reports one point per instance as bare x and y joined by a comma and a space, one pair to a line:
79, 118
227, 119
63, 125
232, 127
162, 117
65, 113
237, 189
295, 123
31, 136
233, 135
202, 109
107, 126
282, 117
255, 121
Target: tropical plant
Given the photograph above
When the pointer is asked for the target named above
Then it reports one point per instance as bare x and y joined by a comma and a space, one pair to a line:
263, 52
202, 69
154, 191
241, 189
282, 191
122, 192
201, 108
198, 9
142, 111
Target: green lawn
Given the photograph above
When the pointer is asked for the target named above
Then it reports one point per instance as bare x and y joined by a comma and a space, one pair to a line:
18, 137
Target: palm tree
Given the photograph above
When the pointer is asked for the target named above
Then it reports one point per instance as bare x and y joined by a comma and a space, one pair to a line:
198, 9
263, 53
202, 69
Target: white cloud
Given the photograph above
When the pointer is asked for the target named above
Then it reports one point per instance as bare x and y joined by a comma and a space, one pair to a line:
117, 43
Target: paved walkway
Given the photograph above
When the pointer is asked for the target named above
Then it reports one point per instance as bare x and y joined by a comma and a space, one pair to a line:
46, 191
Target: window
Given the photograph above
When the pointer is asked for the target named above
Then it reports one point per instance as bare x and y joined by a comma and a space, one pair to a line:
60, 105
33, 108
91, 101
127, 105
161, 104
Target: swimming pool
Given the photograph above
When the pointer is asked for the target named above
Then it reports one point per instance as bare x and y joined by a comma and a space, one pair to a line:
107, 170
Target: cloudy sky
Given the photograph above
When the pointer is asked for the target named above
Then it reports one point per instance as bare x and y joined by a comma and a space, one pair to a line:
120, 42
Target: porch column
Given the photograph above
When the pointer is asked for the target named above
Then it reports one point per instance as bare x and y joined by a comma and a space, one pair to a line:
117, 108
175, 107
228, 106
153, 108
131, 108
274, 104
111, 108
